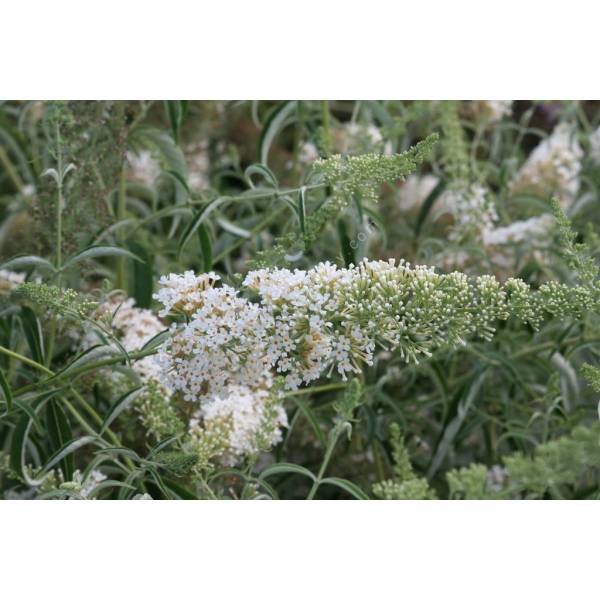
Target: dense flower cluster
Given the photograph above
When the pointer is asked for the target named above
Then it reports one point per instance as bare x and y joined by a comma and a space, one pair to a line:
553, 167
220, 343
217, 360
242, 422
306, 324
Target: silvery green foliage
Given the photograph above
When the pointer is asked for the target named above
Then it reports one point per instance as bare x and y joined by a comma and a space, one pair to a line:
405, 485
556, 469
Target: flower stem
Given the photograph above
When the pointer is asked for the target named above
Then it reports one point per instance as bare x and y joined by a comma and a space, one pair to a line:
58, 249
121, 206
333, 440
25, 360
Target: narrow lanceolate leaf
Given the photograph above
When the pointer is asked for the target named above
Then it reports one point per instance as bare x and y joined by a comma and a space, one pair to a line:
275, 123
461, 405
28, 262
59, 434
234, 229
310, 417
20, 437
142, 286
99, 252
51, 173
282, 468
96, 353
428, 205
156, 341
263, 171
347, 250
347, 486
180, 179
206, 247
302, 209
8, 399
65, 452
117, 408
107, 484
198, 219
32, 329
175, 110
178, 491
166, 145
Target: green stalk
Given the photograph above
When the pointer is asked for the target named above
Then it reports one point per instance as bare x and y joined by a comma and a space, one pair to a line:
326, 121
333, 440
83, 369
59, 204
328, 387
58, 250
121, 206
25, 360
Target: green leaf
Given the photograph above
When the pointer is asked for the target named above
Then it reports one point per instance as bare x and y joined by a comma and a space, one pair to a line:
32, 329
275, 123
26, 262
142, 284
6, 391
461, 405
178, 491
198, 219
122, 403
110, 483
234, 229
64, 453
428, 205
97, 252
206, 247
263, 171
120, 451
175, 110
280, 468
310, 417
166, 145
96, 353
569, 383
178, 177
59, 435
347, 250
156, 341
347, 486
301, 210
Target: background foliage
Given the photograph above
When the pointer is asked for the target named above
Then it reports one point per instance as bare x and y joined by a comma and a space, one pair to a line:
97, 197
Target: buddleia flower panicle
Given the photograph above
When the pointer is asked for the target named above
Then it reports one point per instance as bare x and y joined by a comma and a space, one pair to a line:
308, 324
